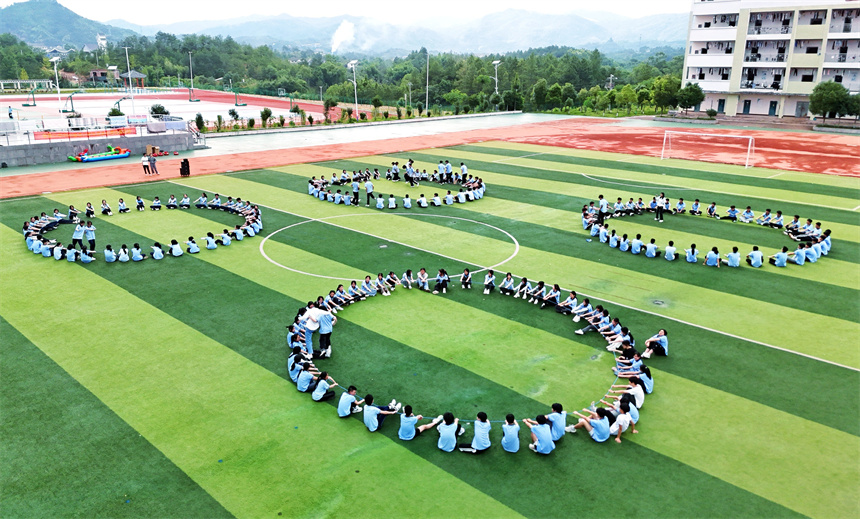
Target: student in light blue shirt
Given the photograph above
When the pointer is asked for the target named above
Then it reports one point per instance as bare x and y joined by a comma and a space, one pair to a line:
541, 434
449, 429
596, 423
780, 259
523, 288
481, 441
613, 239
732, 214
449, 198
238, 234
367, 287
537, 293
596, 229
408, 421
71, 255
306, 381
510, 434
695, 209
110, 255
636, 245
747, 216
193, 248
407, 202
175, 249
712, 258
651, 250
338, 197
811, 255
368, 188
407, 280
137, 254
680, 207
670, 251
78, 236
624, 244
552, 298
322, 392
375, 415
799, 255
122, 255
557, 419
59, 251
489, 281
567, 306
658, 343
692, 254
755, 257
380, 202
765, 218
507, 287
210, 241
348, 404
200, 203
87, 256
604, 234
733, 259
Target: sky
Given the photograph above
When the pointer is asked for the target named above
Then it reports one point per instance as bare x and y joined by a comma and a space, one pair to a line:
170, 11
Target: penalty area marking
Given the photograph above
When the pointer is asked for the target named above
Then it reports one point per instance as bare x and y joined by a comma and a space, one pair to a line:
325, 221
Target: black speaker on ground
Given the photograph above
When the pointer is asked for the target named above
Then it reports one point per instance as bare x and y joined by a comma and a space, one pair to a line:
184, 168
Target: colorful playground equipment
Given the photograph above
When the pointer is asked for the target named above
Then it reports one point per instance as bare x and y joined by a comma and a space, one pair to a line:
111, 153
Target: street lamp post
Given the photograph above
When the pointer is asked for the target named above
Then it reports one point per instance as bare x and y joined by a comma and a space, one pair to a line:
128, 69
353, 64
321, 99
410, 93
496, 77
55, 59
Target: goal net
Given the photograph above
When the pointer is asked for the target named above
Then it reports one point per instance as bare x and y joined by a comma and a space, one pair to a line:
709, 147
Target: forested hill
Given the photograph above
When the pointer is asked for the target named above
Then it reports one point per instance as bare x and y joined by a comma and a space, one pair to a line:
46, 22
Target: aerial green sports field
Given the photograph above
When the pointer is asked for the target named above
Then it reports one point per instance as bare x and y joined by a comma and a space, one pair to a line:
160, 388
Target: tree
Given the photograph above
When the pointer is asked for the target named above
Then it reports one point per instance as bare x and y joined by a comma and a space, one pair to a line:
581, 96
219, 123
376, 101
690, 96
349, 112
553, 95
626, 97
158, 109
603, 103
115, 112
644, 71
199, 122
310, 120
495, 99
539, 93
854, 106
455, 98
513, 100
829, 99
420, 107
643, 95
664, 92
233, 114
328, 104
251, 123
265, 115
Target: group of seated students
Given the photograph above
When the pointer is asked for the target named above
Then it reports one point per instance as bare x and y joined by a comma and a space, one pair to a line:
470, 188
813, 243
34, 231
622, 402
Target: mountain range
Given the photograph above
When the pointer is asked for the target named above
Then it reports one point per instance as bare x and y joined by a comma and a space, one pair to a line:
46, 22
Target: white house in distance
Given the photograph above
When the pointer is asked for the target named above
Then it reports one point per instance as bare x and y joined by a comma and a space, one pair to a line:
764, 57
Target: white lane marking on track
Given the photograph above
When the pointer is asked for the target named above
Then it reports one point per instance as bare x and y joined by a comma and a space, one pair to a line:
776, 175
677, 320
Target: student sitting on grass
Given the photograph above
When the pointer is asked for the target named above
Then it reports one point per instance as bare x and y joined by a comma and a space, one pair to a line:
175, 249
651, 249
755, 258
408, 421
747, 216
449, 429
510, 434
136, 254
407, 280
322, 392
658, 343
765, 218
780, 259
552, 298
636, 388
423, 280
712, 211
441, 282
523, 288
712, 259
422, 201
155, 205
776, 222
695, 209
193, 248
466, 280
537, 293
595, 322
583, 308
368, 288
489, 282
381, 286
556, 420
566, 307
122, 256
481, 441
595, 422
348, 404
692, 254
541, 434
507, 287
733, 259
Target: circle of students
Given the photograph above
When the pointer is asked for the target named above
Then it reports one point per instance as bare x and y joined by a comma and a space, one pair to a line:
813, 243
470, 188
36, 227
620, 405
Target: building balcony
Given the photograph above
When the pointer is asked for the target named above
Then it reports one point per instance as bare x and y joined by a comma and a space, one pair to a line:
714, 34
760, 85
765, 58
713, 85
842, 58
710, 60
770, 30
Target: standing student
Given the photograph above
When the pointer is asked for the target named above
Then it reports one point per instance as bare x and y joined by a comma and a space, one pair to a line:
326, 326
510, 434
541, 434
661, 206
368, 188
375, 415
449, 429
144, 161
348, 404
152, 167
408, 422
78, 236
481, 440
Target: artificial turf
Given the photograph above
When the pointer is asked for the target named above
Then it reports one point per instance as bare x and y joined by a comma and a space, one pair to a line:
188, 352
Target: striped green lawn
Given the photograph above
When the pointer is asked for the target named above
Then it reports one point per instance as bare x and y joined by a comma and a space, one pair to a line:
178, 367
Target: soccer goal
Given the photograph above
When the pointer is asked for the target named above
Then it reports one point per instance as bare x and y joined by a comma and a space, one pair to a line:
709, 147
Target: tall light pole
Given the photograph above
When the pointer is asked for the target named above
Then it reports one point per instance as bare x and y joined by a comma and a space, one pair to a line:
128, 69
410, 93
55, 59
321, 99
191, 71
496, 66
353, 64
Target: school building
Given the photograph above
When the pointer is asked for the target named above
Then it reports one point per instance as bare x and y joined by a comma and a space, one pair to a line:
764, 57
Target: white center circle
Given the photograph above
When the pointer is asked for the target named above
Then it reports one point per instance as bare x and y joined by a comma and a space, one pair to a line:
325, 220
